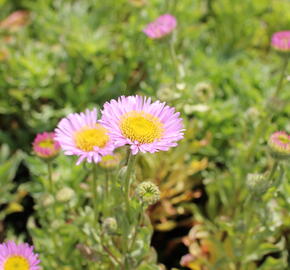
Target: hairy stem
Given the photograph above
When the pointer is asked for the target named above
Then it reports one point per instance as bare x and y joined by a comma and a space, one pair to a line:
94, 192
273, 170
282, 76
130, 169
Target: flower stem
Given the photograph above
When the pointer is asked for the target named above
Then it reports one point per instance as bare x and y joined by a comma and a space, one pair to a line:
130, 168
49, 169
53, 208
106, 191
94, 192
139, 222
266, 119
108, 250
129, 172
283, 73
51, 187
174, 59
273, 170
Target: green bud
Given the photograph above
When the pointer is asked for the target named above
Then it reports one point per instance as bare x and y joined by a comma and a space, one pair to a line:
279, 144
47, 200
65, 194
110, 225
257, 183
110, 162
148, 192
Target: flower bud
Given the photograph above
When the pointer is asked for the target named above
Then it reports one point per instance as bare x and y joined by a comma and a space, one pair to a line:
279, 144
148, 192
110, 161
47, 200
45, 147
65, 194
281, 41
110, 225
257, 183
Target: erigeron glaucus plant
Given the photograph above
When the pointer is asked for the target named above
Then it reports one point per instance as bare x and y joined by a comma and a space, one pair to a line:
161, 27
281, 41
18, 257
115, 231
82, 135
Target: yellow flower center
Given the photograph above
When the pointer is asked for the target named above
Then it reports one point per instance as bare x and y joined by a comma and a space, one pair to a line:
16, 263
87, 138
284, 139
48, 143
141, 127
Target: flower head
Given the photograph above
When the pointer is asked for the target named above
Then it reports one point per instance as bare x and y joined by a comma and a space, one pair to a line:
45, 145
82, 135
110, 225
257, 183
111, 161
161, 27
145, 126
65, 194
18, 257
279, 144
148, 192
281, 41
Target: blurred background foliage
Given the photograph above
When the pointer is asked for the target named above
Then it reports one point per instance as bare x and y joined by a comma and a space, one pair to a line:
57, 57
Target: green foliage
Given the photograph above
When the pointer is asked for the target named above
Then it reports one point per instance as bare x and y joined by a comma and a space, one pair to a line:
217, 69
11, 196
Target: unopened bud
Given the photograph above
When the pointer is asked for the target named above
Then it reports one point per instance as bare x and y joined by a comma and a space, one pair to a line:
257, 183
65, 194
279, 144
45, 146
148, 192
47, 200
110, 161
110, 225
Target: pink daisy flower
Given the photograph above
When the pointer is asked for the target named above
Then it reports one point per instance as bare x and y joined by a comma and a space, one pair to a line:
281, 41
18, 257
82, 135
161, 27
279, 144
145, 126
45, 146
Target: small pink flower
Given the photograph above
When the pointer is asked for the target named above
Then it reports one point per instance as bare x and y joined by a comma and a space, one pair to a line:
22, 257
45, 146
281, 41
161, 27
81, 134
144, 125
279, 144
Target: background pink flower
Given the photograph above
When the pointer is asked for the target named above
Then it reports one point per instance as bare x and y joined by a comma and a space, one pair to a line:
281, 41
161, 27
45, 146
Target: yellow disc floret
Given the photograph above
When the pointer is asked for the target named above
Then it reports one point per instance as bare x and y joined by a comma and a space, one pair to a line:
46, 143
16, 263
141, 127
88, 138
